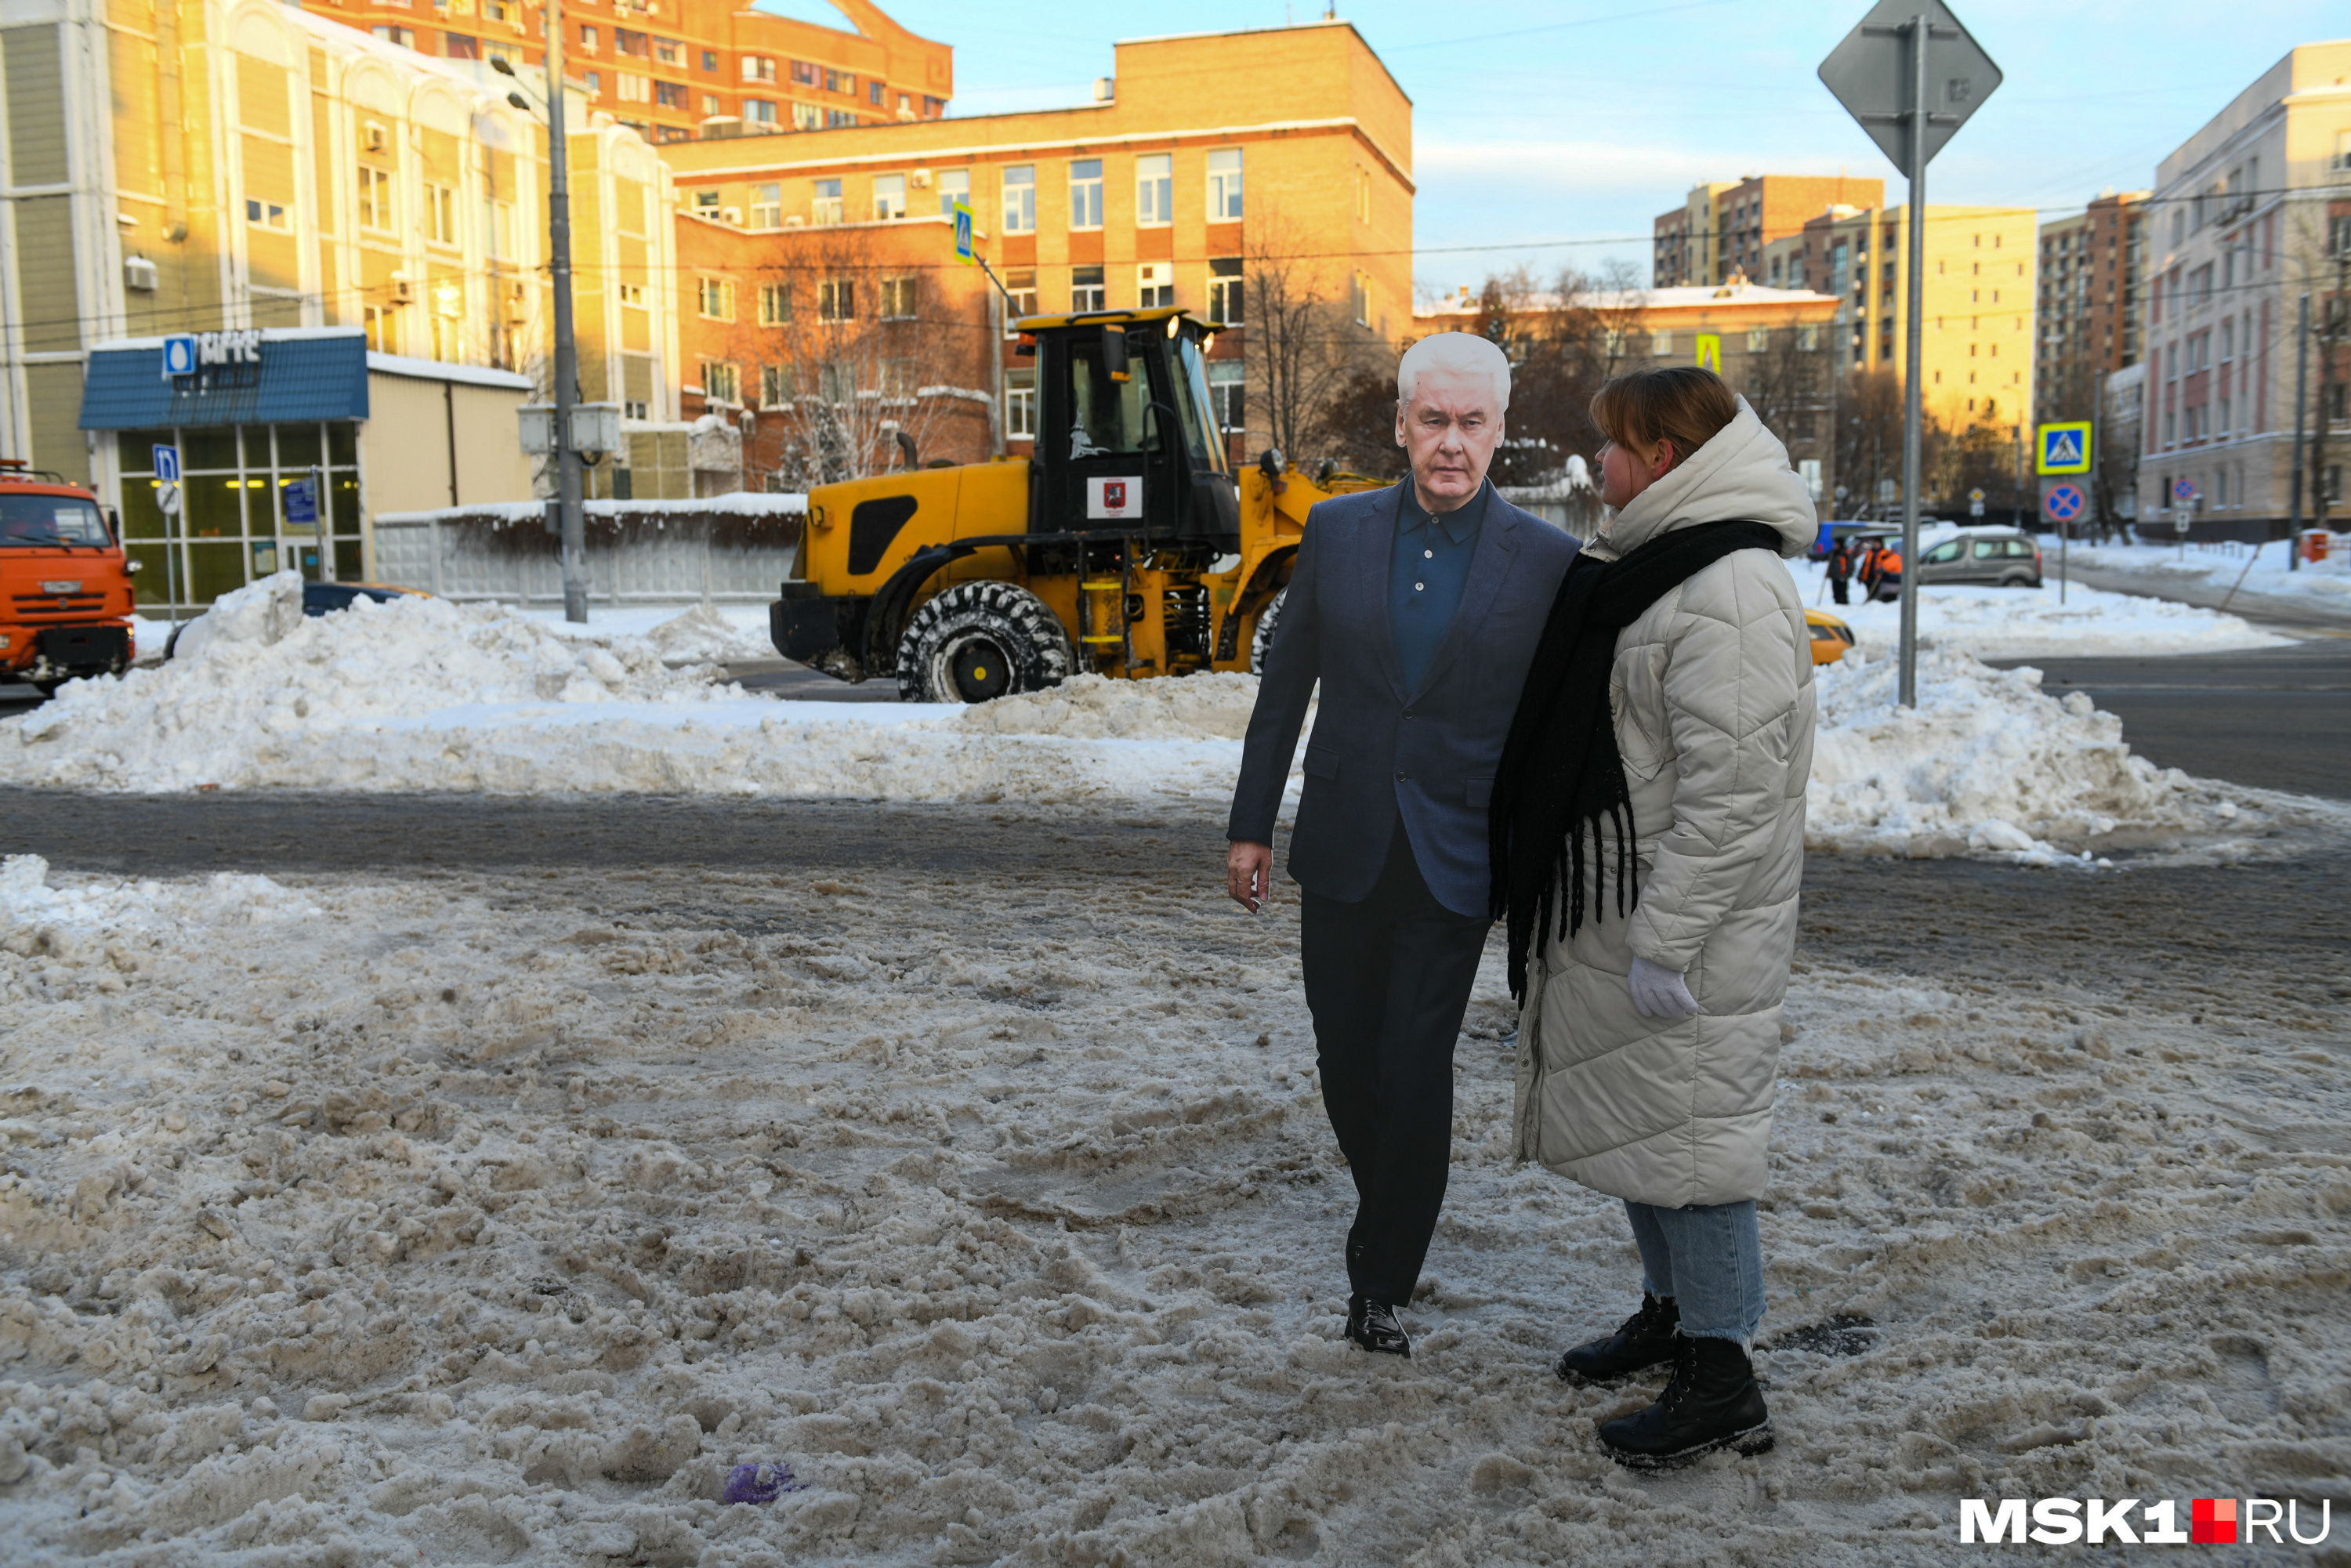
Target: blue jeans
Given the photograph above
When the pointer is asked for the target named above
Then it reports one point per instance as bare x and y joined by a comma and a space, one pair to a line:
1710, 1259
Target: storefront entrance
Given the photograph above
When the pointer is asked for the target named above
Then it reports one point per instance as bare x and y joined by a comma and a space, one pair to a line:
253, 500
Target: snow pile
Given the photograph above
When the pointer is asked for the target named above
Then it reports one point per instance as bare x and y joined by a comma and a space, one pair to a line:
1094, 707
708, 634
1990, 763
2326, 582
2029, 623
36, 916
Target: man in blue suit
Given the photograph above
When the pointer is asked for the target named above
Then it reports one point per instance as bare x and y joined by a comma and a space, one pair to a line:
1418, 609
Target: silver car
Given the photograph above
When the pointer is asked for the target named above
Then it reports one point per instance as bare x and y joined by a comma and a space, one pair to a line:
1993, 557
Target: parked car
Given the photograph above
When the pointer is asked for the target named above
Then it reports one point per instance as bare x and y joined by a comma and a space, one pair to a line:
1995, 558
1831, 636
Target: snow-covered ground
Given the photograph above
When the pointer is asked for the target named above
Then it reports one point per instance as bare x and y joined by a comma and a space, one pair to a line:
423, 695
2029, 623
719, 633
2219, 567
482, 1220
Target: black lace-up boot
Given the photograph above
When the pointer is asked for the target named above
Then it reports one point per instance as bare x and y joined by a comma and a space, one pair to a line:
1373, 1325
1711, 1402
1644, 1338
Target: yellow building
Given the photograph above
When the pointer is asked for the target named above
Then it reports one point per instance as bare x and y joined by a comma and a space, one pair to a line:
1980, 286
1285, 150
193, 166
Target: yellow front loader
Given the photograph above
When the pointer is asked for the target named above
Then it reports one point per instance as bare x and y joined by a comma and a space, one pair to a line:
1126, 546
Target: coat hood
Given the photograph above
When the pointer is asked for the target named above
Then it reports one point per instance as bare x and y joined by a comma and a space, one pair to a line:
1742, 473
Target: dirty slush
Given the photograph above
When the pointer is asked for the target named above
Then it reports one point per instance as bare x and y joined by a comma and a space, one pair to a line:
885, 1214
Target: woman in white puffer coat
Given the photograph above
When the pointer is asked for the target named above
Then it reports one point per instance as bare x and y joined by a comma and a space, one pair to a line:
1653, 964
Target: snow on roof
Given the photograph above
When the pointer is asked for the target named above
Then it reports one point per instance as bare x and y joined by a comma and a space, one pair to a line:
738, 504
442, 371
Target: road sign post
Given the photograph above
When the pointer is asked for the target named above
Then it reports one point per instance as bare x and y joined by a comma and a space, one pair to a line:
1911, 76
2062, 501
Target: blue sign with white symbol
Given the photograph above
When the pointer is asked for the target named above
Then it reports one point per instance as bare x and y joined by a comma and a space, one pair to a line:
2064, 503
167, 465
301, 501
180, 355
964, 252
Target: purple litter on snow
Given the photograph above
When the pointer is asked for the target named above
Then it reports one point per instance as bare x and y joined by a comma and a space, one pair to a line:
760, 1483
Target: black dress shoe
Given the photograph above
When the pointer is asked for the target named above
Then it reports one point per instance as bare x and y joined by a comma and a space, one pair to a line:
1644, 1338
1373, 1325
1710, 1403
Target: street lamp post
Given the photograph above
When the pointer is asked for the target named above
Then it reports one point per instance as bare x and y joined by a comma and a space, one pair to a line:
570, 520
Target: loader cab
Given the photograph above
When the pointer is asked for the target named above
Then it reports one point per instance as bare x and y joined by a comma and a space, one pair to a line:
1127, 437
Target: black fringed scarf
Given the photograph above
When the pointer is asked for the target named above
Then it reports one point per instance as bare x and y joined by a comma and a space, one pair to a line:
1560, 781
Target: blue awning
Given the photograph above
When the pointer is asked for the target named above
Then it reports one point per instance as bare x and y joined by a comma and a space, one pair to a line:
302, 376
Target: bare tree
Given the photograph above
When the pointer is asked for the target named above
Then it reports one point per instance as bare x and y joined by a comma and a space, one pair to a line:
1788, 384
1303, 346
862, 368
1869, 439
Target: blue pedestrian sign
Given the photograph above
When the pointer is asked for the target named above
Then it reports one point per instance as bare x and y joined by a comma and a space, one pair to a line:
964, 252
2065, 448
179, 355
301, 502
167, 465
2064, 503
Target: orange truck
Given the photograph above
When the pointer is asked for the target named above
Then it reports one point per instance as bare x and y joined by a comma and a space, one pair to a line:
65, 585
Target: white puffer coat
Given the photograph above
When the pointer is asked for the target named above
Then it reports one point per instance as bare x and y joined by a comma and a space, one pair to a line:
1712, 696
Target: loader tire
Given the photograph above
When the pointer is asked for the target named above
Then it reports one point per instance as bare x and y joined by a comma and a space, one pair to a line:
977, 640
1268, 622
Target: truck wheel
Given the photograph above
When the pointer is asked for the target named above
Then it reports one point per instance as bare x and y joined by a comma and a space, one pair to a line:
981, 640
1269, 621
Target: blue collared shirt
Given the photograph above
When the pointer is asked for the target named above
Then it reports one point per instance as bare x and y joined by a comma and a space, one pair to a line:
1427, 569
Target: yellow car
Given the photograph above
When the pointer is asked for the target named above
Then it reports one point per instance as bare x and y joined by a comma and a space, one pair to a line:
1831, 636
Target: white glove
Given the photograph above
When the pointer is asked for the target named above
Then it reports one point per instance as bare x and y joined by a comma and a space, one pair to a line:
1659, 992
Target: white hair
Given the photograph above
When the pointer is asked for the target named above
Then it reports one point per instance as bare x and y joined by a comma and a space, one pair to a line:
1462, 353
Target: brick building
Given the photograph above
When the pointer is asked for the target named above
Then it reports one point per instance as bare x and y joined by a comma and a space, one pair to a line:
1173, 187
668, 68
1723, 228
2093, 278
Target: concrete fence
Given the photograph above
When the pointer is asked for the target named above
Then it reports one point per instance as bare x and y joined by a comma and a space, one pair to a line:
724, 548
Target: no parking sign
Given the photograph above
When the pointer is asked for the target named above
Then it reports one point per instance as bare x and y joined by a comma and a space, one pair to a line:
2064, 503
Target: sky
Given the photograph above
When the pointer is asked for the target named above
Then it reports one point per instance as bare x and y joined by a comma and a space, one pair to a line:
1549, 133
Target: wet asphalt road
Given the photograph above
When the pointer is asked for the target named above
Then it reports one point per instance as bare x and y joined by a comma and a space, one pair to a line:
2281, 928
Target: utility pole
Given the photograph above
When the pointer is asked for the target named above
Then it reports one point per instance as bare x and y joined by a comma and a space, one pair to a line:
571, 520
2331, 334
1914, 357
2301, 406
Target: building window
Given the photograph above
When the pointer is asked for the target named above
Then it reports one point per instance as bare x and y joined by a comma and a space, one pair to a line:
625, 41
836, 299
265, 214
668, 52
1225, 185
1227, 381
775, 389
705, 203
775, 304
840, 82
710, 61
1224, 291
1661, 344
954, 185
1155, 285
1808, 338
595, 80
898, 299
404, 37
1362, 194
670, 94
807, 116
1085, 194
1086, 290
1363, 300
712, 104
836, 119
441, 215
500, 217
720, 382
1020, 199
889, 198
1022, 287
767, 206
1020, 404
759, 111
375, 199
381, 323
717, 300
460, 47
758, 68
806, 74
1757, 339
873, 93
587, 40
632, 295
826, 207
1154, 188
632, 88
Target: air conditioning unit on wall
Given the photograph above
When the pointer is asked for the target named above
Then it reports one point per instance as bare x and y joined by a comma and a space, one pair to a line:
920, 180
403, 291
374, 137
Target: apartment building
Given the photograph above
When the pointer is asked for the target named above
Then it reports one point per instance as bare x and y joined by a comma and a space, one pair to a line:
2248, 216
1982, 273
359, 230
1776, 347
1724, 227
670, 69
2093, 276
1178, 184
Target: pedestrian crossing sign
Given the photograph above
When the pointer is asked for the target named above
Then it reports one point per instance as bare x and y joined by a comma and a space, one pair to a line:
2065, 448
1710, 351
963, 246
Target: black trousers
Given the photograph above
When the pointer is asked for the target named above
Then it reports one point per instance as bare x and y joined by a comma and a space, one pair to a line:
1387, 981
1836, 586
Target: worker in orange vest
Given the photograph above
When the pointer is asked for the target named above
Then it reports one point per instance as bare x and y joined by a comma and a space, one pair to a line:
1889, 572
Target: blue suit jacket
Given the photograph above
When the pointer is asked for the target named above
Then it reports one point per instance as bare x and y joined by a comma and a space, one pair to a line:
1377, 749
